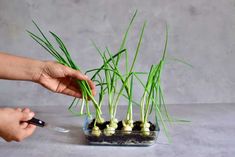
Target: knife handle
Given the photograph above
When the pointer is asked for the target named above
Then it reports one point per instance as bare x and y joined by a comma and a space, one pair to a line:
36, 122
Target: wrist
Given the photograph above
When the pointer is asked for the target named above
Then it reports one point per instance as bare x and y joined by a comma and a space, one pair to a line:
36, 70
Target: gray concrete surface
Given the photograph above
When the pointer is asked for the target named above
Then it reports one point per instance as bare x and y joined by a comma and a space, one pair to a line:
210, 134
201, 32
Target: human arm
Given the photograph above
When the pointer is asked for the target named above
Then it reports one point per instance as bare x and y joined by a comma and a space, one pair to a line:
52, 75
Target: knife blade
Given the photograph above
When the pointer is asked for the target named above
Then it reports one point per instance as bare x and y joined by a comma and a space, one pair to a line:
43, 124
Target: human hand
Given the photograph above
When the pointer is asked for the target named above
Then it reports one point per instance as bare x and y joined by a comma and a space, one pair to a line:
61, 79
12, 127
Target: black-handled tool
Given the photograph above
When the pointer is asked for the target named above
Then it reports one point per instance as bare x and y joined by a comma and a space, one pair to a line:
36, 122
43, 124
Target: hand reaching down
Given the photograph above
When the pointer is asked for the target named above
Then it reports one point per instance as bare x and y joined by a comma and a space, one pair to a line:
61, 79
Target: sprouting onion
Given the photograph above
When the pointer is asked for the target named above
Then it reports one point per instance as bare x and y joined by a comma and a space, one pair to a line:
114, 83
112, 75
63, 57
152, 99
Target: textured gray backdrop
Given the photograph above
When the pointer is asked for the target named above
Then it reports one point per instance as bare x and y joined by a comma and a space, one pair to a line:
201, 32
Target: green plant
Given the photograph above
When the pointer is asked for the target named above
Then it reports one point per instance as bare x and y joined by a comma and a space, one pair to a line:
63, 57
113, 74
152, 89
114, 83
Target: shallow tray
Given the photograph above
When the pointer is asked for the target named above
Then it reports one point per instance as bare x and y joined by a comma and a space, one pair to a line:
120, 138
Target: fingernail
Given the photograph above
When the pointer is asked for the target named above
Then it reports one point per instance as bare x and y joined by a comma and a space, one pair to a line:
86, 77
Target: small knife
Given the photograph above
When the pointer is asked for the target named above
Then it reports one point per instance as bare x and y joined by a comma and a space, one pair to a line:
41, 123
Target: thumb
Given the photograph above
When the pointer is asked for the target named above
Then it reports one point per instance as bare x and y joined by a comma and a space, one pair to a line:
29, 129
25, 116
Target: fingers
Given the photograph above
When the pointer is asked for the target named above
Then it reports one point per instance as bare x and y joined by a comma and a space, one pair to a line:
24, 132
23, 125
75, 87
75, 74
28, 131
26, 110
18, 109
25, 116
92, 86
72, 92
78, 75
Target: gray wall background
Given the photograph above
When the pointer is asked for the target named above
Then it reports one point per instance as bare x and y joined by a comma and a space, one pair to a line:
201, 32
